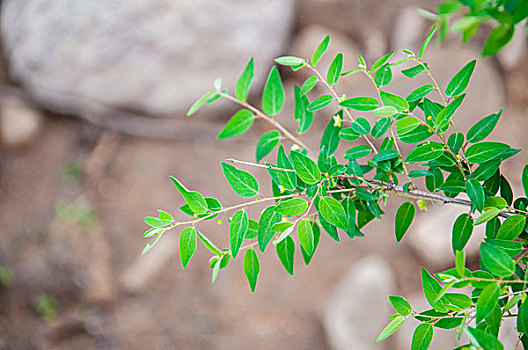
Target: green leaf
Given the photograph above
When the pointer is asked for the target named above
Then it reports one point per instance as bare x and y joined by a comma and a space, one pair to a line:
361, 126
425, 152
512, 248
444, 116
483, 127
252, 230
455, 142
522, 317
460, 262
357, 152
396, 101
391, 328
383, 76
216, 268
381, 61
290, 61
237, 231
267, 143
420, 93
273, 95
242, 182
286, 252
499, 36
487, 216
380, 128
333, 212
291, 207
288, 179
163, 219
422, 337
512, 227
460, 81
306, 169
401, 305
426, 42
320, 50
413, 71
404, 219
243, 83
348, 134
384, 155
485, 151
497, 261
421, 133
488, 299
320, 103
307, 257
362, 62
431, 288
462, 230
208, 244
484, 340
406, 125
525, 180
334, 71
200, 102
306, 236
195, 200
330, 139
385, 111
362, 104
301, 114
268, 218
308, 84
238, 124
251, 267
475, 192
188, 243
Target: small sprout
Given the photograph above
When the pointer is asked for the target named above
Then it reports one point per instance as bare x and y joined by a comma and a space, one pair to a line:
422, 205
294, 147
219, 221
429, 118
338, 121
282, 189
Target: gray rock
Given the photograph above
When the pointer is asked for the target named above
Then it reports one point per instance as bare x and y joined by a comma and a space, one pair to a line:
359, 307
19, 123
151, 56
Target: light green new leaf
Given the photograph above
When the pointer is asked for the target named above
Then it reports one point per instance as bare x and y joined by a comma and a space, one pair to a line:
460, 262
243, 83
268, 218
361, 104
306, 236
396, 101
385, 111
383, 76
239, 123
308, 84
273, 95
460, 81
406, 125
498, 262
290, 61
291, 207
512, 227
422, 337
334, 71
333, 212
426, 42
320, 103
487, 301
485, 151
420, 93
400, 305
475, 192
330, 139
237, 231
267, 143
286, 252
380, 62
391, 328
188, 243
320, 50
483, 127
404, 218
306, 169
196, 201
251, 267
200, 102
208, 244
462, 230
242, 182
489, 214
484, 340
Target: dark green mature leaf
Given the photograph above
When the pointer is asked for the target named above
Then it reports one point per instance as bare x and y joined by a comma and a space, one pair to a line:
384, 155
251, 267
301, 114
308, 84
360, 103
444, 116
200, 102
395, 101
426, 42
460, 81
273, 95
306, 169
426, 152
420, 93
413, 71
286, 252
462, 230
522, 317
488, 299
497, 261
242, 182
306, 236
484, 340
239, 123
320, 103
348, 134
512, 227
320, 50
188, 243
330, 139
237, 231
291, 207
525, 180
383, 76
243, 83
455, 141
485, 151
475, 192
483, 127
512, 248
288, 179
499, 36
267, 143
381, 127
391, 328
334, 71
357, 152
361, 126
196, 201
422, 337
404, 218
421, 133
268, 218
400, 305
333, 212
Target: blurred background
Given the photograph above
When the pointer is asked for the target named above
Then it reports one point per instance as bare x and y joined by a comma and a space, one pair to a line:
92, 103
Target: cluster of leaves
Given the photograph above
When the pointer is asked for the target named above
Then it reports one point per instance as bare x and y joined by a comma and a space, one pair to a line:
504, 14
315, 193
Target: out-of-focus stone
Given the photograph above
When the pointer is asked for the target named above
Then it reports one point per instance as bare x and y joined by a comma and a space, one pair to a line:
151, 56
19, 123
359, 308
